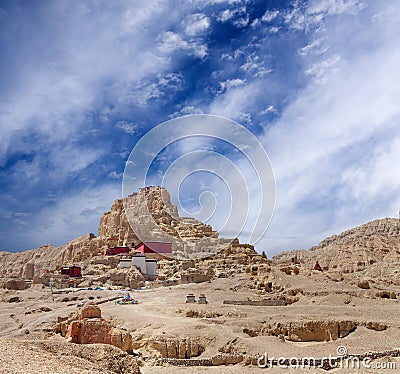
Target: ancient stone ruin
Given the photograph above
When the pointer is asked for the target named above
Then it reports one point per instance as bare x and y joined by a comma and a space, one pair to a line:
91, 328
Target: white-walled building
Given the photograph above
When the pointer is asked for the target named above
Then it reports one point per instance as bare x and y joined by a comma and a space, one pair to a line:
140, 262
125, 263
151, 267
147, 266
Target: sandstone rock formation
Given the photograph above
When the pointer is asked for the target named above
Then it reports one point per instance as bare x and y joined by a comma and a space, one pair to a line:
364, 284
130, 277
177, 348
90, 311
91, 328
155, 218
234, 259
58, 356
306, 331
32, 263
226, 359
353, 250
14, 284
114, 224
376, 326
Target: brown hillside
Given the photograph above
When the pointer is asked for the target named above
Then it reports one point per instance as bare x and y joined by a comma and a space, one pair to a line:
353, 250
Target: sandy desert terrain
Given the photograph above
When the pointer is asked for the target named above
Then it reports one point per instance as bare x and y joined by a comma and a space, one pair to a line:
162, 315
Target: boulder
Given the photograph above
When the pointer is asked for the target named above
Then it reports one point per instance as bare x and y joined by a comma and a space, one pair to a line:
98, 330
90, 310
364, 285
375, 326
14, 299
16, 284
129, 277
218, 360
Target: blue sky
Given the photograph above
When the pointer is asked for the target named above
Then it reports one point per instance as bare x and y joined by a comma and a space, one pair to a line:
80, 83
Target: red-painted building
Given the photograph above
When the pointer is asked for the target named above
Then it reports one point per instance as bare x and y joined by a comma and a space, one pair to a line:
161, 248
72, 271
116, 251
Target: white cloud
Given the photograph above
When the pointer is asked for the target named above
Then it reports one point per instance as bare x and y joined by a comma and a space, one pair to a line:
196, 23
169, 42
238, 16
370, 178
242, 21
127, 127
234, 56
311, 16
56, 165
270, 15
186, 110
72, 159
268, 109
225, 15
115, 175
230, 83
236, 101
315, 47
54, 92
335, 7
273, 29
320, 68
146, 91
254, 65
26, 173
244, 118
22, 214
124, 153
229, 2
335, 147
137, 15
71, 216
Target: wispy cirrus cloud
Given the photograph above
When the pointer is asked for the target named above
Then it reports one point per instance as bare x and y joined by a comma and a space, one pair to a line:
170, 42
237, 16
127, 127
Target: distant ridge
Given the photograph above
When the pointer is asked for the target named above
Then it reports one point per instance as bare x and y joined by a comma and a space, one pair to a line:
353, 250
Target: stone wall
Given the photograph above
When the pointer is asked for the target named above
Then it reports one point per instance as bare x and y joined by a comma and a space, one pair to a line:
269, 302
305, 331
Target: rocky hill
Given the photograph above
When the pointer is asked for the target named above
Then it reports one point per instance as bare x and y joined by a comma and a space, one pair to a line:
353, 250
152, 214
155, 218
33, 262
